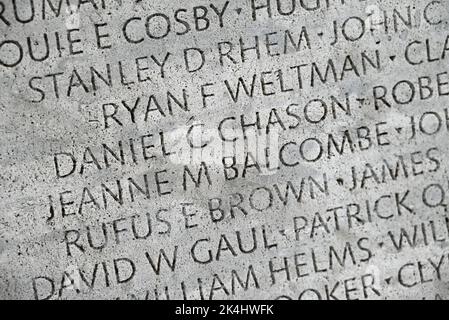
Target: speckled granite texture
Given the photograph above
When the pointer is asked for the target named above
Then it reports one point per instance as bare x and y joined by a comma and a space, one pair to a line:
240, 149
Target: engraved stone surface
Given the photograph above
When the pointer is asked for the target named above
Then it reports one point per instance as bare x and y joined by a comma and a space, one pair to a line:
218, 149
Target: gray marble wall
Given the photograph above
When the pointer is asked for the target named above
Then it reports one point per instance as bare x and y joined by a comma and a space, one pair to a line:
225, 149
